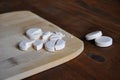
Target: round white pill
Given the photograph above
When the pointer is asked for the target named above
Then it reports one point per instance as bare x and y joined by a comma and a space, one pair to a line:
25, 44
46, 35
49, 46
103, 41
34, 33
38, 44
60, 44
93, 35
55, 37
60, 34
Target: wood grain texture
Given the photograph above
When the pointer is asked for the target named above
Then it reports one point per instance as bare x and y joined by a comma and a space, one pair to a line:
79, 17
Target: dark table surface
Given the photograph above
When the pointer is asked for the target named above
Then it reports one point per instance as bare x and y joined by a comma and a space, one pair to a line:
79, 17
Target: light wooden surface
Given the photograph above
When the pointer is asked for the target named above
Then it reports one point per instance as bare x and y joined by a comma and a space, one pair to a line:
16, 64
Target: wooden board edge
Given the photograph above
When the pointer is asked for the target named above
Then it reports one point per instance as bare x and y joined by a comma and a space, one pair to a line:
14, 12
47, 66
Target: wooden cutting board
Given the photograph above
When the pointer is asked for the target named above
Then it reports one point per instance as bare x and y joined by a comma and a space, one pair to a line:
16, 64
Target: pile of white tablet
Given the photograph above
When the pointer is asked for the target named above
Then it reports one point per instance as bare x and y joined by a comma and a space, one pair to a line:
38, 39
101, 41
